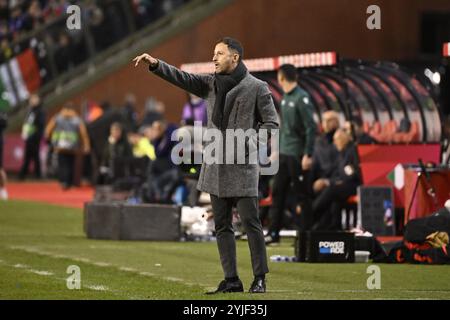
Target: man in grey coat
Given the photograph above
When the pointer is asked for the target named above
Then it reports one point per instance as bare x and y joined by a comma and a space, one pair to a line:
235, 100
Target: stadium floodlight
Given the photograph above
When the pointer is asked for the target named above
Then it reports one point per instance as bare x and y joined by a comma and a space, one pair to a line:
446, 49
304, 60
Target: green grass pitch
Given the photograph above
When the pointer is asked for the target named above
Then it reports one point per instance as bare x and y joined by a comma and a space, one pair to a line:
39, 242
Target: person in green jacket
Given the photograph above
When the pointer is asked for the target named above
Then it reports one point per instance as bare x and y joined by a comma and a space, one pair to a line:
297, 135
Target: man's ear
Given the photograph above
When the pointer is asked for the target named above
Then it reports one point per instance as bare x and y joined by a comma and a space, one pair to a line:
236, 57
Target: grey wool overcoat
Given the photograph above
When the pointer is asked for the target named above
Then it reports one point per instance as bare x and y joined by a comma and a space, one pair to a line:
252, 108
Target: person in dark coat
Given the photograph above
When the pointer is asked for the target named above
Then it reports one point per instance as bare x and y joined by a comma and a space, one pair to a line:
325, 152
32, 132
116, 156
339, 186
235, 100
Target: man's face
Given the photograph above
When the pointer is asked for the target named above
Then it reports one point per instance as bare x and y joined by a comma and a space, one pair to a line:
348, 127
158, 129
34, 100
224, 60
329, 123
341, 139
280, 78
116, 132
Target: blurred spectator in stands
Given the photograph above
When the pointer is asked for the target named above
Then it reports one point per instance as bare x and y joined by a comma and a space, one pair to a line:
4, 32
325, 153
141, 145
194, 110
154, 110
92, 111
106, 106
4, 10
129, 112
34, 17
116, 25
141, 10
32, 132
5, 50
98, 26
64, 53
360, 135
342, 184
68, 135
163, 175
55, 8
3, 178
161, 140
116, 156
16, 21
147, 11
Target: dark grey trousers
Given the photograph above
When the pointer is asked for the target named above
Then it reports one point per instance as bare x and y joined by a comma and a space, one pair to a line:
247, 208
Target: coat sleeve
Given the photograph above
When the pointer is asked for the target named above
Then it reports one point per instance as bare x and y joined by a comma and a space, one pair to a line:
306, 110
267, 114
193, 83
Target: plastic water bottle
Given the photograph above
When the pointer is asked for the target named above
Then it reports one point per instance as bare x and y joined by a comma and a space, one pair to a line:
278, 258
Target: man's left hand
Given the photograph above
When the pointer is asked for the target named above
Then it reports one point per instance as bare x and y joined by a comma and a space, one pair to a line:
306, 162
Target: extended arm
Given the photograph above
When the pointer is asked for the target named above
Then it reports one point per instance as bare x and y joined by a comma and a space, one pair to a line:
196, 84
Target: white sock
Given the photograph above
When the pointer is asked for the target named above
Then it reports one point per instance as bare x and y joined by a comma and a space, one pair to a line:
3, 194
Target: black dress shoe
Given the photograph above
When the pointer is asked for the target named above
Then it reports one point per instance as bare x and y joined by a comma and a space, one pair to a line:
271, 241
228, 286
258, 286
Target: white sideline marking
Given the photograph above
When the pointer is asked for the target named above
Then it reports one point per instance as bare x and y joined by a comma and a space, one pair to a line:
101, 264
126, 269
174, 279
41, 273
98, 288
104, 264
48, 273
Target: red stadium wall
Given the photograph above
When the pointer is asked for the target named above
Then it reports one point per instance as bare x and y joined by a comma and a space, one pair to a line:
271, 28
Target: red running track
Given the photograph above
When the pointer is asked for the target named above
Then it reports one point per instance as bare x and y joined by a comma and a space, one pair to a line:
50, 192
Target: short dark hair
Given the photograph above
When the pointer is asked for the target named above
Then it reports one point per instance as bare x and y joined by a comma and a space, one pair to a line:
233, 45
289, 72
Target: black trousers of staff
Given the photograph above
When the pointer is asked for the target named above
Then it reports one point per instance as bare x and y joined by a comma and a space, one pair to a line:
290, 178
31, 155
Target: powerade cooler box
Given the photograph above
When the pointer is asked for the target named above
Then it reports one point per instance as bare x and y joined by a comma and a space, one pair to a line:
324, 246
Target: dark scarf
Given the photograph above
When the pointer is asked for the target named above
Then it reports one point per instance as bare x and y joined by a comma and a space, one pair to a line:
223, 84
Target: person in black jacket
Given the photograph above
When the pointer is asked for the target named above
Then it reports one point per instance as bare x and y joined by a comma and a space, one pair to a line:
116, 155
32, 132
342, 183
325, 153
